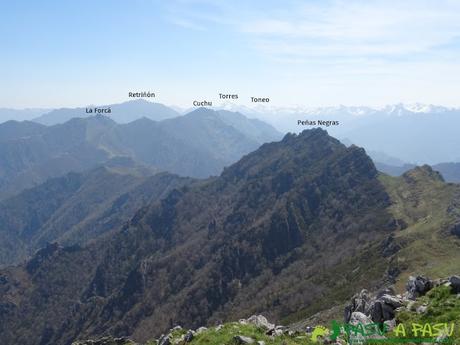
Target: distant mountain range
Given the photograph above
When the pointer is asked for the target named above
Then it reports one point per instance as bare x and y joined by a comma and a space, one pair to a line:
287, 230
418, 134
7, 114
414, 133
121, 112
198, 144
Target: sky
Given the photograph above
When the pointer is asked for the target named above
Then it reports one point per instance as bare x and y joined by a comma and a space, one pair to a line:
308, 53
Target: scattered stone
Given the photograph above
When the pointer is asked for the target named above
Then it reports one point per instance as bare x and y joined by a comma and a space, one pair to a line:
243, 321
261, 342
241, 339
219, 327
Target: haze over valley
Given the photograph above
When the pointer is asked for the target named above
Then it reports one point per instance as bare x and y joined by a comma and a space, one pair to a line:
197, 172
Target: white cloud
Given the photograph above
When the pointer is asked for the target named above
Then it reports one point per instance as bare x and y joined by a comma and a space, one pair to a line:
346, 51
355, 28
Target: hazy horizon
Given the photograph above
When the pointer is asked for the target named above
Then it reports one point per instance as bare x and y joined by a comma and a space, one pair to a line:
65, 54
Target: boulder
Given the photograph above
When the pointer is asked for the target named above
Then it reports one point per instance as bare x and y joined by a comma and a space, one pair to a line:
418, 286
394, 301
359, 318
382, 311
455, 284
260, 321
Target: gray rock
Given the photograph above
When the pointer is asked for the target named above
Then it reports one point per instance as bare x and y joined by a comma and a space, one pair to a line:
359, 303
188, 337
455, 284
394, 301
359, 318
260, 321
421, 309
381, 312
276, 332
164, 340
201, 330
241, 339
418, 286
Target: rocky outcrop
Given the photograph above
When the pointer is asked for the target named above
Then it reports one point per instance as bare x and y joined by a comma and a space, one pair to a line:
418, 286
381, 308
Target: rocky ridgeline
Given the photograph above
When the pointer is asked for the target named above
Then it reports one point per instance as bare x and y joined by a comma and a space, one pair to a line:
178, 335
364, 308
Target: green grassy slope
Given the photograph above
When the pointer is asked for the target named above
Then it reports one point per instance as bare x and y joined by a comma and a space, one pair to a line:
427, 207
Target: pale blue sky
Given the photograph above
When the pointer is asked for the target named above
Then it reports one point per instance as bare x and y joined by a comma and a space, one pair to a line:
68, 53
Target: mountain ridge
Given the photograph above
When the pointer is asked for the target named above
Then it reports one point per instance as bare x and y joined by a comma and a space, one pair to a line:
181, 145
270, 225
